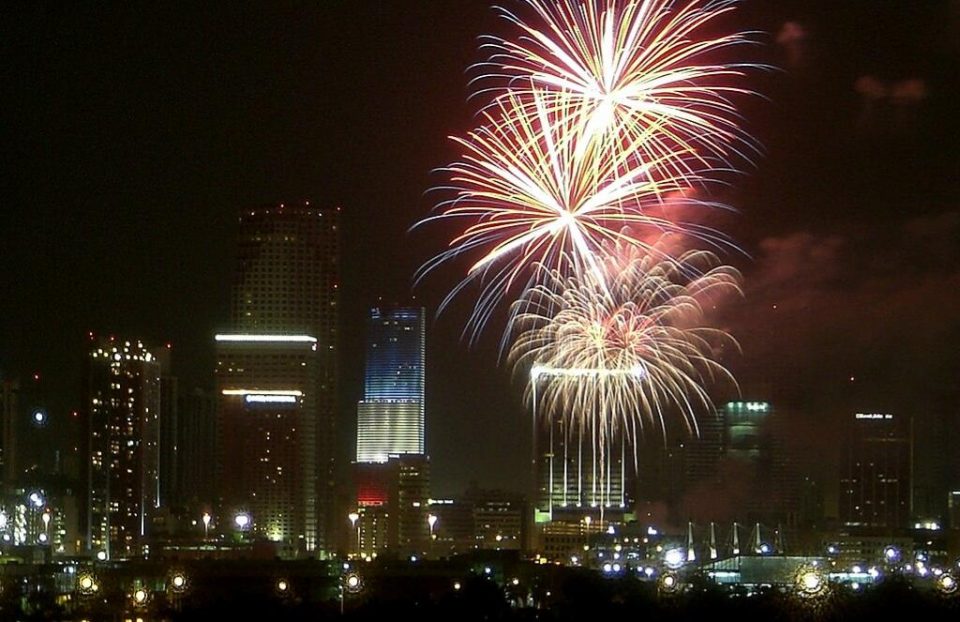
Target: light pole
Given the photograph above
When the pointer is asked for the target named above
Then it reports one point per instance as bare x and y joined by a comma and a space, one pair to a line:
350, 583
242, 521
45, 517
431, 521
354, 517
206, 524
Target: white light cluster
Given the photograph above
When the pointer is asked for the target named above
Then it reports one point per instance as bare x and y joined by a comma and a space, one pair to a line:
266, 338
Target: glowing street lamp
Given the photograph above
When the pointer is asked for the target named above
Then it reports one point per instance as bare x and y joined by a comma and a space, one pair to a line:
242, 521
810, 582
674, 558
431, 521
891, 554
947, 584
87, 584
178, 582
350, 583
140, 597
669, 583
354, 517
36, 498
206, 518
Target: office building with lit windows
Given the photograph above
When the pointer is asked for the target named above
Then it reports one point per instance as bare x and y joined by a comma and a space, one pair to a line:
390, 418
393, 506
876, 476
123, 439
392, 471
276, 377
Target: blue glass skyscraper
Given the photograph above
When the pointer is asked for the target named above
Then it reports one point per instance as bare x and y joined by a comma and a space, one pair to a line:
390, 418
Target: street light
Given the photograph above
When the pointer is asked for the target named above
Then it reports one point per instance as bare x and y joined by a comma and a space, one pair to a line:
350, 583
178, 582
206, 518
242, 520
431, 521
45, 517
947, 584
354, 517
140, 597
810, 582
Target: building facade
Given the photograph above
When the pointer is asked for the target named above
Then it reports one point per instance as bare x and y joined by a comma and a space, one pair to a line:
876, 478
277, 377
390, 418
123, 447
393, 506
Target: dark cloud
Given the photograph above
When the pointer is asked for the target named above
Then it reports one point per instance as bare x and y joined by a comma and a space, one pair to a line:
880, 309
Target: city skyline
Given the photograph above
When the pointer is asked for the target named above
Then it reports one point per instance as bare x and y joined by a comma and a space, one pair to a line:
850, 218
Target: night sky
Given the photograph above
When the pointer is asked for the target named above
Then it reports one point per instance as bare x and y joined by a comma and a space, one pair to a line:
133, 134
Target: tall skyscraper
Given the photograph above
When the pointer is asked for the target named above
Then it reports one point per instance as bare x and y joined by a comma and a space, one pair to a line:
196, 450
277, 374
876, 480
8, 419
390, 418
392, 471
123, 439
169, 442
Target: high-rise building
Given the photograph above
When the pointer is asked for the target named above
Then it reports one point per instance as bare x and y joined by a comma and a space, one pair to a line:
393, 505
276, 376
953, 509
390, 418
876, 478
8, 418
123, 440
196, 450
169, 441
703, 452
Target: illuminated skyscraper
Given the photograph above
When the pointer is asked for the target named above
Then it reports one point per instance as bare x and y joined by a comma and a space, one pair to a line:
390, 418
123, 437
276, 376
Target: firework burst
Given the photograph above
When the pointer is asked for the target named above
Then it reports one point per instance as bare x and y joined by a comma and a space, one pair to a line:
531, 199
650, 84
618, 359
